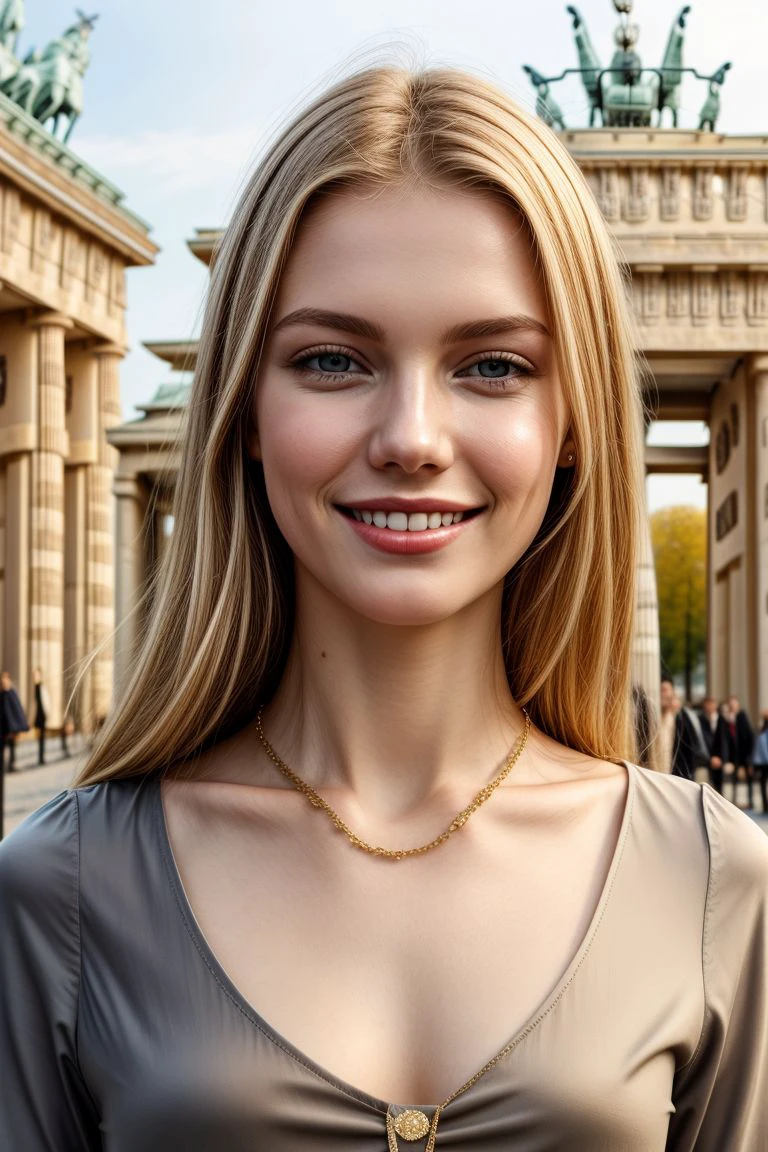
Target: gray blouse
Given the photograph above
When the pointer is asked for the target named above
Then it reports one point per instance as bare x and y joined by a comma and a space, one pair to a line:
119, 1030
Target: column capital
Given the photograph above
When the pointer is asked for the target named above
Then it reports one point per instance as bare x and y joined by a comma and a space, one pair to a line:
49, 320
108, 349
127, 486
757, 365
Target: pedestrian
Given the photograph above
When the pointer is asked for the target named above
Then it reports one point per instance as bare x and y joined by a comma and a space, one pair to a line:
760, 758
740, 740
364, 826
12, 718
682, 740
42, 711
715, 738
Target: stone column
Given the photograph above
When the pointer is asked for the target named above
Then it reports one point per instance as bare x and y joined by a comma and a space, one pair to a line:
759, 478
646, 649
129, 574
75, 562
100, 571
46, 567
16, 616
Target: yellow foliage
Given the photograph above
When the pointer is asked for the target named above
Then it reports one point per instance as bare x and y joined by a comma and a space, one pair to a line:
679, 537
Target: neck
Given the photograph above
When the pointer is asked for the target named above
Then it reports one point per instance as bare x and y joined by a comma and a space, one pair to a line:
394, 713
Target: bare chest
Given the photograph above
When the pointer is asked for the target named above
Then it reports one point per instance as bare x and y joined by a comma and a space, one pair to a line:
402, 979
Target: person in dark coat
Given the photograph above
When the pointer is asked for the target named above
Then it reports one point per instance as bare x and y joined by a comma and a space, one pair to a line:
716, 740
12, 719
740, 743
42, 710
686, 750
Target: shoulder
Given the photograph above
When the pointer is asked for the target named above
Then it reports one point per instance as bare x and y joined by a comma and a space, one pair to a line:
41, 859
41, 855
738, 851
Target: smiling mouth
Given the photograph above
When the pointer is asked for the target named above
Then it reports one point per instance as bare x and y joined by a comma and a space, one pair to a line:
408, 521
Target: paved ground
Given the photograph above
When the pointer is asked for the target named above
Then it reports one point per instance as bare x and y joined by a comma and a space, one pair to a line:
27, 790
32, 786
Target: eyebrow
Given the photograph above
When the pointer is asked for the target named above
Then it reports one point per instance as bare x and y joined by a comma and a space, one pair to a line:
358, 326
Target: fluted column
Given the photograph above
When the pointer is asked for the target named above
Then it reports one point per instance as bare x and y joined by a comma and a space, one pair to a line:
129, 573
646, 650
46, 567
758, 476
100, 571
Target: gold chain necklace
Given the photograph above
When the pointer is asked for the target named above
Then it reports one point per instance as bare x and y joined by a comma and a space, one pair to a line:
396, 853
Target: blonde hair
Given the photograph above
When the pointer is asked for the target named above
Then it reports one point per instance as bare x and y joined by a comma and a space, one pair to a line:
222, 604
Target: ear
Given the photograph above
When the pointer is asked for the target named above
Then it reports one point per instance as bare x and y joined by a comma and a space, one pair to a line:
567, 457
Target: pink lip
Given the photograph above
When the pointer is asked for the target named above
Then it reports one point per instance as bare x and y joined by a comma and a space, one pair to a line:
399, 504
406, 543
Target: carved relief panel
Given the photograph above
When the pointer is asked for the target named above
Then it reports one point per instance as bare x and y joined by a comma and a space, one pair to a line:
649, 294
731, 297
608, 192
637, 204
757, 296
74, 260
736, 193
702, 199
703, 294
669, 192
678, 295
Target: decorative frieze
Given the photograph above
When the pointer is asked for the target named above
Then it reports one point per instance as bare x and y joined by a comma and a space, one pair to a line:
678, 295
669, 192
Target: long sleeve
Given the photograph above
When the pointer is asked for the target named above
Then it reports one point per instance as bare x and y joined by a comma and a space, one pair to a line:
44, 1103
721, 1096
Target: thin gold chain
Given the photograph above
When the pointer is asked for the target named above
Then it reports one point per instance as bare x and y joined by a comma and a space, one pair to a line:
397, 853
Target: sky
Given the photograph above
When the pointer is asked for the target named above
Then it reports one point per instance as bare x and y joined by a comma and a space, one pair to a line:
182, 97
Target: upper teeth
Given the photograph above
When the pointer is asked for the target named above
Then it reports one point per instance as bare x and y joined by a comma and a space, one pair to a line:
403, 522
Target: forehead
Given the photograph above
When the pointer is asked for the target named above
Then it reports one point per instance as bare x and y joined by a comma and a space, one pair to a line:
447, 247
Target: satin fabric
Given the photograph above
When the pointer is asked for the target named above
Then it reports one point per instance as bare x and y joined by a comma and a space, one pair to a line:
120, 1031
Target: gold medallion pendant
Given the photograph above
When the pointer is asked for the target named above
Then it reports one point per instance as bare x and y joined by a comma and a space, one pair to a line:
411, 1125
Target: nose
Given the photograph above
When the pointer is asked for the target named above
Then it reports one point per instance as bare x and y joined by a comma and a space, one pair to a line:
413, 426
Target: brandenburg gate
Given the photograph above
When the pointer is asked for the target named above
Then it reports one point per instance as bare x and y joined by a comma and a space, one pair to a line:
66, 240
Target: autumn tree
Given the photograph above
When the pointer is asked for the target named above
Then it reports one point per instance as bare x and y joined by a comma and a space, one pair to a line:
679, 537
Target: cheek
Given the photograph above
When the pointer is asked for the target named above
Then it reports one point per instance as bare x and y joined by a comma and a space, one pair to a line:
303, 445
518, 455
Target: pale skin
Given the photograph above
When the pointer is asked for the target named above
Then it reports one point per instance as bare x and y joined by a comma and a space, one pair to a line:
404, 978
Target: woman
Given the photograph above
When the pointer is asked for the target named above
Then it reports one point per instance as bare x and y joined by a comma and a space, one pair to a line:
760, 758
358, 861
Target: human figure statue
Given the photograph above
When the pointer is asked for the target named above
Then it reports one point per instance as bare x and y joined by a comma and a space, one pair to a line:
11, 23
546, 105
588, 60
711, 107
669, 93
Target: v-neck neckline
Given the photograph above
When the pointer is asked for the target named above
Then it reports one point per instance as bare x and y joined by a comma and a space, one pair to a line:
230, 989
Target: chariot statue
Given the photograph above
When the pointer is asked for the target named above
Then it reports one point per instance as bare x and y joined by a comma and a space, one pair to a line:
628, 94
48, 84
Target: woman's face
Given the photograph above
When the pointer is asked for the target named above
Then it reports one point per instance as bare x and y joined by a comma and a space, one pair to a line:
408, 410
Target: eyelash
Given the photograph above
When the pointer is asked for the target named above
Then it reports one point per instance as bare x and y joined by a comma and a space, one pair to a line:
498, 383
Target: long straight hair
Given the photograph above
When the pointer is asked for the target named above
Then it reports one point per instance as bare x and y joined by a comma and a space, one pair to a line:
222, 608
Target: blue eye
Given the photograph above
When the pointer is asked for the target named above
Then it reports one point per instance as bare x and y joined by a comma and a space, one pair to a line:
330, 362
495, 369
